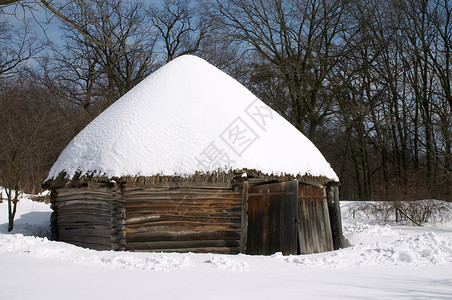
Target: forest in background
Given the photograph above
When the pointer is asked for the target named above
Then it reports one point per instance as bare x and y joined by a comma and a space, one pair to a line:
367, 81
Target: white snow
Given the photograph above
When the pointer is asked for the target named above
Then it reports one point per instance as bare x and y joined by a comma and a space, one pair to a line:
189, 116
384, 262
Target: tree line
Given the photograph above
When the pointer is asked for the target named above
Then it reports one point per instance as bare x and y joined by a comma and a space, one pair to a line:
367, 81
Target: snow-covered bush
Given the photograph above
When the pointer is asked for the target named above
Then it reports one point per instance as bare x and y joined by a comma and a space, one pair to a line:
416, 212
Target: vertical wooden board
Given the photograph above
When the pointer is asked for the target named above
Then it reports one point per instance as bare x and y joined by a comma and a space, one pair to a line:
325, 233
253, 225
290, 218
301, 228
308, 227
314, 225
244, 219
263, 243
328, 230
313, 233
274, 225
254, 221
289, 236
275, 231
320, 225
283, 230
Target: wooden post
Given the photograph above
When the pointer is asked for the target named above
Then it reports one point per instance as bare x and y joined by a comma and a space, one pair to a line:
118, 215
244, 222
335, 216
53, 216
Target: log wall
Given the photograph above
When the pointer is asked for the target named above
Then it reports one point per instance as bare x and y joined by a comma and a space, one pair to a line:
183, 219
88, 217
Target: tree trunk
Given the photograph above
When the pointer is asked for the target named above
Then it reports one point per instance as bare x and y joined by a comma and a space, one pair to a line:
12, 206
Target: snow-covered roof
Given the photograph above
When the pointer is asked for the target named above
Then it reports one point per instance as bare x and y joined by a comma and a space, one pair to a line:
189, 117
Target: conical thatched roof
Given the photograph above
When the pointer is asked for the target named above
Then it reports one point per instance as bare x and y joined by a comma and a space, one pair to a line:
189, 118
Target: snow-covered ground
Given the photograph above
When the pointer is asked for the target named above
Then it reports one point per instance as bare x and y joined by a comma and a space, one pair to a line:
384, 262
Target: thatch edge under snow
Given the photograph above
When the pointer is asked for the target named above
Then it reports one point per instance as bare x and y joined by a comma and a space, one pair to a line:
219, 177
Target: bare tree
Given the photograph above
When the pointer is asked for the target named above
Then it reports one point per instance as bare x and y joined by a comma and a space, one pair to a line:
25, 117
393, 107
17, 45
89, 74
297, 45
181, 29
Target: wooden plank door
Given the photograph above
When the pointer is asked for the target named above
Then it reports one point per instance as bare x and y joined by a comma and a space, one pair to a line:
272, 218
314, 229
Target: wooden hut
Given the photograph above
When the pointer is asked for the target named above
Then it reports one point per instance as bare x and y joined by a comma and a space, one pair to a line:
190, 160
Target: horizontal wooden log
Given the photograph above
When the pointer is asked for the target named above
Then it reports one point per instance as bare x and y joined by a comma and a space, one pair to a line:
183, 212
188, 223
77, 225
105, 222
64, 203
94, 246
180, 202
85, 196
180, 198
61, 193
83, 218
168, 245
182, 217
182, 228
216, 250
141, 218
193, 187
190, 236
182, 208
179, 191
99, 240
75, 213
181, 205
84, 205
85, 232
179, 215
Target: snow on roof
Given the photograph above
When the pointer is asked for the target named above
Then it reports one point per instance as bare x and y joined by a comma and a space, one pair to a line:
189, 116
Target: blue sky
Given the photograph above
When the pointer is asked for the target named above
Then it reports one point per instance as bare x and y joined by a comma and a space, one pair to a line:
16, 15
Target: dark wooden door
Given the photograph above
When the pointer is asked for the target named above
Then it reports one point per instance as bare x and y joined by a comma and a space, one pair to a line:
272, 218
